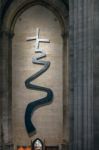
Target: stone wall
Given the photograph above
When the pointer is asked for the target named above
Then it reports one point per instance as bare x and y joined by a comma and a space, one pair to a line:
49, 119
10, 12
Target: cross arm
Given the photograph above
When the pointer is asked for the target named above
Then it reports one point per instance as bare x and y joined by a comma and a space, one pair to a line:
44, 40
30, 38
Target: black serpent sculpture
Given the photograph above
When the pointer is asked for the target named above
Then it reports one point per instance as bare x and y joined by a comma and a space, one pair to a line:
31, 107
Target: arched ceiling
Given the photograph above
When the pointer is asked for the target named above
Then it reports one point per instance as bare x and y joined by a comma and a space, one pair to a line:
6, 3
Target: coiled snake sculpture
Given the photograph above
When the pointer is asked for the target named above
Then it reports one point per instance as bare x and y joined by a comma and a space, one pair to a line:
31, 107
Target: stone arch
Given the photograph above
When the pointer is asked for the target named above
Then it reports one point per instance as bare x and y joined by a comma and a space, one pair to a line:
7, 32
14, 11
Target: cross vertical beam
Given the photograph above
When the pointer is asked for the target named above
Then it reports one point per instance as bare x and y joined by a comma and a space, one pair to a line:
38, 40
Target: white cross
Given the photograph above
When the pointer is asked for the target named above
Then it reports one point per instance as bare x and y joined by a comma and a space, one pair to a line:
37, 49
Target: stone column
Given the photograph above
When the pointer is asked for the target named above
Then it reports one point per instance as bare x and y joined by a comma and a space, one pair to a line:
6, 131
96, 75
65, 91
81, 86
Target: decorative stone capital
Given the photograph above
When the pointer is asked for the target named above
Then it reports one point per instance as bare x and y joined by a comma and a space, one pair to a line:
6, 33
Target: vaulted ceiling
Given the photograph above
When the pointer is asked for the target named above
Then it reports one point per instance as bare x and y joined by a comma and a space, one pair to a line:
6, 3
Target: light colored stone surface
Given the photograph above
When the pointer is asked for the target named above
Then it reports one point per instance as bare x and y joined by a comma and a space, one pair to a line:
49, 119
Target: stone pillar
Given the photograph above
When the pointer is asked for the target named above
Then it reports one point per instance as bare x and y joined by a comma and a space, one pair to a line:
65, 91
96, 75
0, 95
6, 131
81, 86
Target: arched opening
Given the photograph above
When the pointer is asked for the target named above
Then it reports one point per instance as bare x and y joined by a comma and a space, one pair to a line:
59, 44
